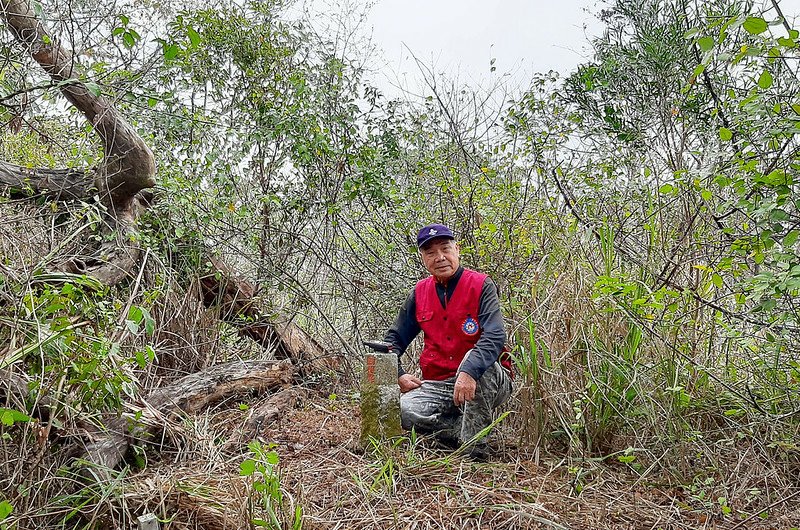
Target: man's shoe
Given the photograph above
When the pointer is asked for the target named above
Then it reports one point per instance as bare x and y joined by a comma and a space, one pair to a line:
479, 453
447, 441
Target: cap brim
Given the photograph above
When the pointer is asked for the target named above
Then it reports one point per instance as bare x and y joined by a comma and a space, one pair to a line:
431, 238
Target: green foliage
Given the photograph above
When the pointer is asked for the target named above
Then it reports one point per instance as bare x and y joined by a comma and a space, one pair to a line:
6, 508
272, 513
9, 417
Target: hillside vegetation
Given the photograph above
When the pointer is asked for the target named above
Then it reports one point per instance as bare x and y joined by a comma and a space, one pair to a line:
205, 208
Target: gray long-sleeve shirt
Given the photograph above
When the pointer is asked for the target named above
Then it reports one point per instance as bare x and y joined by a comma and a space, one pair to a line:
490, 319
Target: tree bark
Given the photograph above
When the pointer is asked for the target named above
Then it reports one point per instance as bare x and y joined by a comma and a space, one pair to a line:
54, 184
189, 394
269, 411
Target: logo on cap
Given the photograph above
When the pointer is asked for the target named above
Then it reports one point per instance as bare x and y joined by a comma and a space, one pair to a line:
433, 232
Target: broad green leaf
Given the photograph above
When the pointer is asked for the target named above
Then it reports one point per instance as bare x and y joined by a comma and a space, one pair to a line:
93, 88
666, 188
170, 51
5, 509
725, 134
705, 43
755, 25
132, 326
791, 238
717, 280
765, 80
247, 468
135, 314
778, 215
699, 69
11, 416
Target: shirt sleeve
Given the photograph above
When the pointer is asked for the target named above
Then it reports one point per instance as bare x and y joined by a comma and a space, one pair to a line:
493, 334
404, 329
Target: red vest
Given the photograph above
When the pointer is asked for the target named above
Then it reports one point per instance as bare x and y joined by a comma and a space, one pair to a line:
451, 332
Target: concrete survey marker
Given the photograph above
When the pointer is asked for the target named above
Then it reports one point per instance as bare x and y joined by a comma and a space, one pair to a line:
380, 398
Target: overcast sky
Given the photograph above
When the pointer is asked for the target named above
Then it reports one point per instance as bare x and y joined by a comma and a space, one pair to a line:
462, 36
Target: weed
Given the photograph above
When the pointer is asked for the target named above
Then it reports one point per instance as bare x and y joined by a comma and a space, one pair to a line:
263, 468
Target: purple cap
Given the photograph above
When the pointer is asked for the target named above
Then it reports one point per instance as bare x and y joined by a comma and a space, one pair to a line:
432, 232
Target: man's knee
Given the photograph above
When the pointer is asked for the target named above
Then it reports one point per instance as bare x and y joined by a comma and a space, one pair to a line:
425, 411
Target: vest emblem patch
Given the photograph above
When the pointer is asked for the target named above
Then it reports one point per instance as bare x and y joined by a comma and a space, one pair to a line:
470, 326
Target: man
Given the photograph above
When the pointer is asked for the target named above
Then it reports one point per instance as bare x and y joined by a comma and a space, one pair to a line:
458, 311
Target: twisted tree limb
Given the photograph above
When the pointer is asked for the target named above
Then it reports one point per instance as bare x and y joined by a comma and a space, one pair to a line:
128, 165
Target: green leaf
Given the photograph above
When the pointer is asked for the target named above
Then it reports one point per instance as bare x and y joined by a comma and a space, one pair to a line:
705, 43
717, 280
135, 314
247, 468
725, 134
151, 353
791, 238
11, 416
93, 88
706, 195
272, 457
132, 326
5, 509
194, 37
666, 188
765, 80
170, 51
128, 39
778, 215
755, 25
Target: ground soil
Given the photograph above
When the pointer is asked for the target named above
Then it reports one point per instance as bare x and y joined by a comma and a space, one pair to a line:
412, 484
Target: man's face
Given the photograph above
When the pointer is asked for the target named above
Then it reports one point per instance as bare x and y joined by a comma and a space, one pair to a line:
441, 258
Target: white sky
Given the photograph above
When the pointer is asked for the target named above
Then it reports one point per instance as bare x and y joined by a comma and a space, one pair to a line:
462, 36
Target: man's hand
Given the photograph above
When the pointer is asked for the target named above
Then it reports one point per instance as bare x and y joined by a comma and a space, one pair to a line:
465, 389
408, 382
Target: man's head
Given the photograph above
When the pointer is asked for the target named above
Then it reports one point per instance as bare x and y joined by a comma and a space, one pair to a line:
439, 251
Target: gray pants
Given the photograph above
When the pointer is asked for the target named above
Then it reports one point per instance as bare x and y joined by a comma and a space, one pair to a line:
430, 407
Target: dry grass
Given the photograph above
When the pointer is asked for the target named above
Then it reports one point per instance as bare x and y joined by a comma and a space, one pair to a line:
413, 485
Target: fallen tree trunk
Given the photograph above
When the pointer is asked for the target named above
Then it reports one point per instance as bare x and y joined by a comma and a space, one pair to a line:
265, 413
235, 297
128, 165
189, 394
